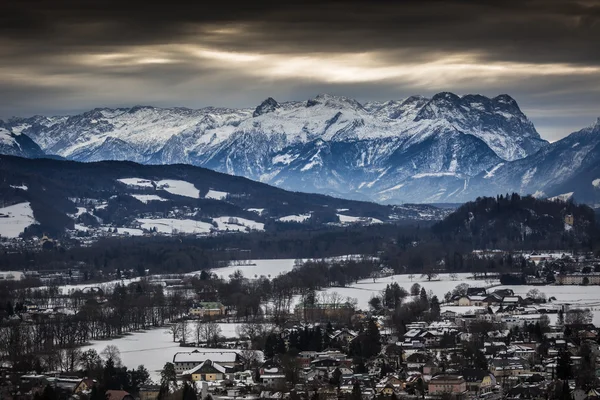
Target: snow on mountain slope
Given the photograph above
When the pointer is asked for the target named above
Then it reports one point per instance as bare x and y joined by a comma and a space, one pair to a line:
145, 130
499, 122
567, 165
13, 142
327, 144
562, 197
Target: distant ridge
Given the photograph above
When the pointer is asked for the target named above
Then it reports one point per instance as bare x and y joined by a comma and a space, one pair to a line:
443, 149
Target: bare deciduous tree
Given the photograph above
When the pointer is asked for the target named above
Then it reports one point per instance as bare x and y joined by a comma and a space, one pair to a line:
111, 352
208, 332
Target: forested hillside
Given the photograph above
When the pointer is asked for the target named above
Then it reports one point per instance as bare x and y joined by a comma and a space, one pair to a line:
513, 221
67, 195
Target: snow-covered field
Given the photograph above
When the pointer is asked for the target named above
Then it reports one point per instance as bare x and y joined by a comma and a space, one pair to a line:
180, 188
364, 289
153, 348
295, 218
581, 296
272, 267
122, 231
14, 219
168, 225
262, 267
137, 182
145, 198
259, 211
66, 289
347, 219
11, 275
216, 195
238, 224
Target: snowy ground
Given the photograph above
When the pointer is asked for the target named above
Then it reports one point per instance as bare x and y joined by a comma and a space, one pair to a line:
295, 218
14, 219
216, 195
137, 182
120, 230
153, 348
259, 211
66, 289
180, 188
11, 275
169, 225
145, 198
270, 268
238, 224
365, 289
575, 296
347, 219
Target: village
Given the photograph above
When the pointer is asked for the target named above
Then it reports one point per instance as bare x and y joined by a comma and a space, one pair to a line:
480, 340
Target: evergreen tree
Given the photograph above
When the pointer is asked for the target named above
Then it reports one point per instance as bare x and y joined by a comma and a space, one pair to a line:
317, 340
563, 367
336, 378
373, 340
561, 318
586, 372
97, 393
49, 393
271, 345
189, 393
434, 308
565, 392
423, 298
168, 375
356, 391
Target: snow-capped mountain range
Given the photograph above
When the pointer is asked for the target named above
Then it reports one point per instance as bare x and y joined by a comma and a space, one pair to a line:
440, 149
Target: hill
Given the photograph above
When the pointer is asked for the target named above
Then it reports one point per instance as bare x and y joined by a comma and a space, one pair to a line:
54, 196
513, 221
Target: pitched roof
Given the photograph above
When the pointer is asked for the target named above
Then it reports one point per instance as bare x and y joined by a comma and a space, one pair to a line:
473, 374
219, 356
206, 364
456, 378
116, 394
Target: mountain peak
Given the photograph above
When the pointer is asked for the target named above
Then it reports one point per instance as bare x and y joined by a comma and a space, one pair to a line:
505, 99
445, 96
132, 110
267, 106
334, 101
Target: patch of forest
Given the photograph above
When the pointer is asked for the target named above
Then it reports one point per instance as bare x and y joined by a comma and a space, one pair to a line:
521, 222
52, 184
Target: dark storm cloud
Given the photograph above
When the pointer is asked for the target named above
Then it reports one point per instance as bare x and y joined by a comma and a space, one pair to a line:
61, 55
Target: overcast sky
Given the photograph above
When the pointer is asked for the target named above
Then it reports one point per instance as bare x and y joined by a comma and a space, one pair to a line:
67, 56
